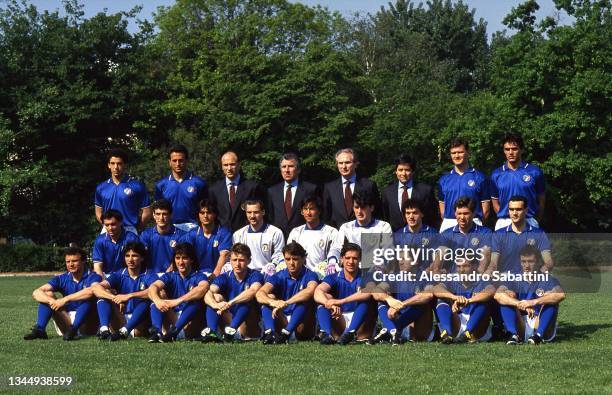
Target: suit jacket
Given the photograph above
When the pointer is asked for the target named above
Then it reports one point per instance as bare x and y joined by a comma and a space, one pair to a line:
333, 200
423, 193
276, 205
246, 190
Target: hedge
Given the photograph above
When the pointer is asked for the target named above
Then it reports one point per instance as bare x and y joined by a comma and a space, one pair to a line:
30, 258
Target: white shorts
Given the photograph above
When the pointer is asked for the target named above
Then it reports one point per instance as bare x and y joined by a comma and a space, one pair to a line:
530, 329
348, 318
129, 228
463, 320
450, 222
504, 222
187, 226
406, 333
71, 314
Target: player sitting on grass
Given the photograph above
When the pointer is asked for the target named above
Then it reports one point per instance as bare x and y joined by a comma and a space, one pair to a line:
185, 287
343, 307
231, 298
529, 308
124, 296
405, 302
286, 299
462, 308
75, 310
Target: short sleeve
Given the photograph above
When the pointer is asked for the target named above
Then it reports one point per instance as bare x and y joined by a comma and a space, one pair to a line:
540, 186
93, 278
330, 280
114, 280
158, 191
493, 187
311, 276
225, 239
256, 277
544, 242
144, 196
275, 280
441, 189
485, 189
98, 251
98, 201
221, 282
56, 283
167, 279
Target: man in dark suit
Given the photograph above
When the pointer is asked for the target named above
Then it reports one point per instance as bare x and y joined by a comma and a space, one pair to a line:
285, 197
405, 188
338, 194
229, 193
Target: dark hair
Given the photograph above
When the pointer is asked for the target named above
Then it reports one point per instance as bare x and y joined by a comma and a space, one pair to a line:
314, 200
242, 249
110, 214
208, 204
117, 153
363, 198
162, 204
530, 250
411, 203
290, 156
138, 248
350, 247
294, 248
189, 251
458, 142
253, 202
514, 138
465, 202
405, 159
178, 148
74, 250
519, 198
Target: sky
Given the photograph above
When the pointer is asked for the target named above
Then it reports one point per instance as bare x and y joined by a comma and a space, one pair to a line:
492, 11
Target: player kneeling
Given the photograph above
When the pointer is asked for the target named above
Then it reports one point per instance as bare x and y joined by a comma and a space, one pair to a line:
73, 313
405, 306
343, 307
124, 296
529, 309
462, 308
286, 299
185, 287
231, 298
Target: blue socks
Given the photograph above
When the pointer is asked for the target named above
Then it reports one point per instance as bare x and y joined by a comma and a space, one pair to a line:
324, 318
508, 314
104, 311
188, 314
266, 315
45, 312
445, 317
299, 312
359, 316
479, 312
548, 315
212, 318
139, 314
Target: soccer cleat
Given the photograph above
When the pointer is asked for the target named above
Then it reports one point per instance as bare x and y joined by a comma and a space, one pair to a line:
445, 338
208, 336
346, 338
36, 333
383, 337
471, 339
72, 334
282, 338
170, 336
396, 339
268, 338
104, 335
514, 340
122, 334
535, 339
154, 336
229, 335
326, 339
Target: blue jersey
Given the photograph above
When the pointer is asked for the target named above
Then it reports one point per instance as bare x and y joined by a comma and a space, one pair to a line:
341, 288
466, 290
160, 247
110, 253
426, 238
527, 181
472, 183
284, 286
65, 284
405, 290
477, 238
208, 249
230, 286
526, 290
184, 196
123, 283
128, 197
509, 244
176, 286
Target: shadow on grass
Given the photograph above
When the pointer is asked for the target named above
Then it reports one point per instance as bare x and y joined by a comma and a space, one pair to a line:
567, 331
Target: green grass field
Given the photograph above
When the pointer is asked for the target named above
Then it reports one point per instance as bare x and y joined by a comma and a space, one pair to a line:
579, 361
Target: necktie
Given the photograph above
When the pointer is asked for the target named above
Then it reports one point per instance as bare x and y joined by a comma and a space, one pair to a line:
348, 198
288, 202
232, 195
404, 194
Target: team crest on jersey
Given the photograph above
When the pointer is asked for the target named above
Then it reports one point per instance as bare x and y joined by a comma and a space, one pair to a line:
471, 183
265, 247
172, 243
526, 178
539, 292
128, 191
531, 242
321, 243
424, 241
216, 243
190, 287
191, 189
142, 286
475, 241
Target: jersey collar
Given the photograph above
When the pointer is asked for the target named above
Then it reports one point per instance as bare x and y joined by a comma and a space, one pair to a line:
470, 169
372, 223
528, 228
319, 227
474, 228
263, 228
188, 176
523, 165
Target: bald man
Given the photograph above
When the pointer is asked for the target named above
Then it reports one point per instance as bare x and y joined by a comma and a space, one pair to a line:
229, 193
